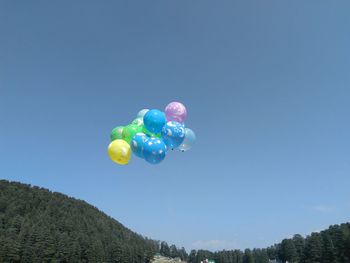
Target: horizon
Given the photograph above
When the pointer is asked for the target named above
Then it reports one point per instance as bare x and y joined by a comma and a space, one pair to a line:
266, 88
169, 244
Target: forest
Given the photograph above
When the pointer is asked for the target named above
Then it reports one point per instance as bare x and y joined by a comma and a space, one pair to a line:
37, 225
328, 246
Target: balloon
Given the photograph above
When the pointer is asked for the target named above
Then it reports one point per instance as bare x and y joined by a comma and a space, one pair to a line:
138, 121
154, 120
137, 143
175, 111
190, 138
119, 151
154, 150
150, 134
116, 133
142, 113
129, 132
173, 134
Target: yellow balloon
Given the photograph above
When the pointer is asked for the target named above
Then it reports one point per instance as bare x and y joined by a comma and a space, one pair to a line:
119, 151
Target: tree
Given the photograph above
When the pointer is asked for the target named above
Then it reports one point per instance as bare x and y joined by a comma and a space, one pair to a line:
272, 252
260, 256
299, 244
248, 256
173, 251
164, 249
328, 251
313, 249
183, 254
288, 251
192, 258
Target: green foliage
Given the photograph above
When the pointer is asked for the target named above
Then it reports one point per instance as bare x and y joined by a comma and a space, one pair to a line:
164, 249
173, 251
328, 246
287, 251
37, 225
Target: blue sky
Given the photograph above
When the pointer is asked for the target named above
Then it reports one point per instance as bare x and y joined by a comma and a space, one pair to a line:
266, 86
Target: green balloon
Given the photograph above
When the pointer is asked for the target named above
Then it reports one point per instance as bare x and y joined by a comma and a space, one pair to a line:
129, 132
138, 122
116, 133
144, 130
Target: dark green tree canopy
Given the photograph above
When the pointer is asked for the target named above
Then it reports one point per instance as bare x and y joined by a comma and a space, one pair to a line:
37, 225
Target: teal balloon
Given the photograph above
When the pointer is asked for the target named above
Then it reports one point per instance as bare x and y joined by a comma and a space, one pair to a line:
190, 138
154, 120
173, 134
154, 150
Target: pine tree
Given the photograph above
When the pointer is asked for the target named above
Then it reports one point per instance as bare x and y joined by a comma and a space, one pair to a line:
164, 249
183, 254
299, 244
313, 249
328, 250
288, 251
248, 257
192, 257
173, 251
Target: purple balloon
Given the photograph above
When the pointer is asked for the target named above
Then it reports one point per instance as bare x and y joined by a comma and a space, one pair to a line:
175, 111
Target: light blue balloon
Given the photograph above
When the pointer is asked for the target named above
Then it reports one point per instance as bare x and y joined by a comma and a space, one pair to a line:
173, 134
190, 138
137, 143
142, 113
154, 120
154, 150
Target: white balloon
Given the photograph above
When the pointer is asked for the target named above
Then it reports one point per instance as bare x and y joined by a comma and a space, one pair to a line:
190, 138
142, 113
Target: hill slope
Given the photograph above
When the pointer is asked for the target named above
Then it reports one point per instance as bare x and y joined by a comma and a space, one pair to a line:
37, 225
328, 246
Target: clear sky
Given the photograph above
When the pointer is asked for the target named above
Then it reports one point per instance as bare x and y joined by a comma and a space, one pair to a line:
267, 89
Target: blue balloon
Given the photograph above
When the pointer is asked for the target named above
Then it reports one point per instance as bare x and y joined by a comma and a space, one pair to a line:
190, 138
154, 150
154, 120
137, 143
173, 134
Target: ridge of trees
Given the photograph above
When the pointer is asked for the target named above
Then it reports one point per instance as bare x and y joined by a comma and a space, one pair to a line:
328, 246
37, 225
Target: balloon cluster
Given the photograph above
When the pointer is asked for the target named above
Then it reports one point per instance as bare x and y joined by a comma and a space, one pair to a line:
151, 134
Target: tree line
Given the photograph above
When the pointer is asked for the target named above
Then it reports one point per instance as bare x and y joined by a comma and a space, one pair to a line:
328, 246
37, 225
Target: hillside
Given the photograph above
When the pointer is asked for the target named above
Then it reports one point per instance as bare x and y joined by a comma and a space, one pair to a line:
37, 225
328, 246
